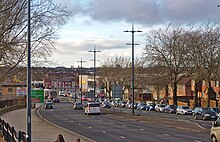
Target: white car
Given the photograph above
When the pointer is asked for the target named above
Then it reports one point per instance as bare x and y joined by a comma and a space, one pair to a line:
92, 108
160, 107
215, 131
184, 110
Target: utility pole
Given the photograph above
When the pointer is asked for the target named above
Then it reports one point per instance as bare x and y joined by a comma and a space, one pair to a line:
132, 58
81, 61
29, 75
94, 51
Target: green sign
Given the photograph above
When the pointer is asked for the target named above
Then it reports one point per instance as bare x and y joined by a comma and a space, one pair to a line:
37, 96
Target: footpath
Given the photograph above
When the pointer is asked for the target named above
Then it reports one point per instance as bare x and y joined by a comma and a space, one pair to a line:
42, 130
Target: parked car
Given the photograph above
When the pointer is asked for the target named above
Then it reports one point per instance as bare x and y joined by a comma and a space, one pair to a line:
160, 107
77, 105
150, 106
170, 109
184, 110
49, 105
217, 110
92, 108
215, 131
196, 109
106, 104
205, 114
141, 106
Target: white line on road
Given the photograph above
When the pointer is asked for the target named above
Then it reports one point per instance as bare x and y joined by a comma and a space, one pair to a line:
166, 134
104, 131
199, 126
79, 124
112, 122
122, 137
72, 121
142, 129
90, 127
124, 125
197, 141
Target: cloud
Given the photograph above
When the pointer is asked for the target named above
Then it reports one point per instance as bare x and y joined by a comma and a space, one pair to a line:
152, 11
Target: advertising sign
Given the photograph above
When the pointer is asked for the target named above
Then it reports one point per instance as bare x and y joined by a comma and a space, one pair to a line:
116, 91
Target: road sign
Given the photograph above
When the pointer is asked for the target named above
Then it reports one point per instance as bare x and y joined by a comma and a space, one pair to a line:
37, 96
116, 91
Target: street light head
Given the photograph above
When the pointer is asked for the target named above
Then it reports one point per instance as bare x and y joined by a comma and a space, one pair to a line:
139, 31
126, 31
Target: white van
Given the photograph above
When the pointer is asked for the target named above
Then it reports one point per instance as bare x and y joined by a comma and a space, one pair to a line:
92, 108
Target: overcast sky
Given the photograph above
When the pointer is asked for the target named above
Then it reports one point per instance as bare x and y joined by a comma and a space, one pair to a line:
101, 23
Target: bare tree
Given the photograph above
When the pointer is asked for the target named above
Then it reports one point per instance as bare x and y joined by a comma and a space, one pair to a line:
46, 19
166, 48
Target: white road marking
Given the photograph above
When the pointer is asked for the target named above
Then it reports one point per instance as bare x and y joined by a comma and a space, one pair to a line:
166, 134
79, 124
72, 121
197, 141
142, 129
90, 127
199, 126
122, 137
112, 122
124, 125
104, 131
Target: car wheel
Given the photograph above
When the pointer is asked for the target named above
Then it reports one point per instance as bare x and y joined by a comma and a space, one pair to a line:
213, 138
195, 117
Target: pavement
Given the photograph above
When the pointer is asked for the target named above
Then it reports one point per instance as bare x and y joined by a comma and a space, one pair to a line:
41, 129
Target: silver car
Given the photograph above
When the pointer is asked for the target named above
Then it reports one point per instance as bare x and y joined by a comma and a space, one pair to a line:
184, 110
215, 131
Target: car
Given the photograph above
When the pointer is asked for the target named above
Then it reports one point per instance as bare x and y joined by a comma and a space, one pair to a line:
77, 105
170, 109
215, 131
141, 106
106, 104
160, 107
49, 105
217, 110
205, 114
56, 100
184, 110
92, 108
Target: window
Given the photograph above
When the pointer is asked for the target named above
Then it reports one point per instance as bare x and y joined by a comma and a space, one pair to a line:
10, 90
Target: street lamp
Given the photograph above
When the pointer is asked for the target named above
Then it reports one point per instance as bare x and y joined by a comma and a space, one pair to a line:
81, 61
94, 51
132, 44
29, 73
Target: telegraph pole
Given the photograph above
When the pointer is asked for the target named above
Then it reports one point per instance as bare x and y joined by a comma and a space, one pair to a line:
132, 58
94, 51
29, 75
81, 61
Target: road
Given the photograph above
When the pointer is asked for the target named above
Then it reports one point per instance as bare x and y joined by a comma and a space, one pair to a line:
117, 128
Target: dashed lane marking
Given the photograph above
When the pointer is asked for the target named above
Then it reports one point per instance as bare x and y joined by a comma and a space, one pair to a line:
142, 129
199, 126
122, 137
166, 134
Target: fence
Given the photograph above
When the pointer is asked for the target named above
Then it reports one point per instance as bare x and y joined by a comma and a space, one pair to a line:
14, 102
10, 134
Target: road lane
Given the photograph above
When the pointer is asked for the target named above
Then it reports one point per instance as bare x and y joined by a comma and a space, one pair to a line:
109, 128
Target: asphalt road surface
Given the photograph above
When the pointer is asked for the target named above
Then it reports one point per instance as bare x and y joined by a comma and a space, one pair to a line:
118, 128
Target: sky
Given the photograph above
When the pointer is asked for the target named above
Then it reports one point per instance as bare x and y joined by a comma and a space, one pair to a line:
100, 24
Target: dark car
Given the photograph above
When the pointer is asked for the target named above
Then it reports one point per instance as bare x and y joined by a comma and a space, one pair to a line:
106, 104
56, 100
170, 109
77, 105
49, 105
205, 114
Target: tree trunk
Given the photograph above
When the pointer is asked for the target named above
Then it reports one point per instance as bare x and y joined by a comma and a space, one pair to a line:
167, 93
175, 93
196, 94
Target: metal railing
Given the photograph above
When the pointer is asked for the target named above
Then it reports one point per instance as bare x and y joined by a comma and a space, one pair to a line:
10, 134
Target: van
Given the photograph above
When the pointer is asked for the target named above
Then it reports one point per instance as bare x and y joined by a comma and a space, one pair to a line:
92, 108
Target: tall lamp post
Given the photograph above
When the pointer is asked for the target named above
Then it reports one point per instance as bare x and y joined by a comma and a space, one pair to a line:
81, 61
29, 74
132, 58
94, 51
